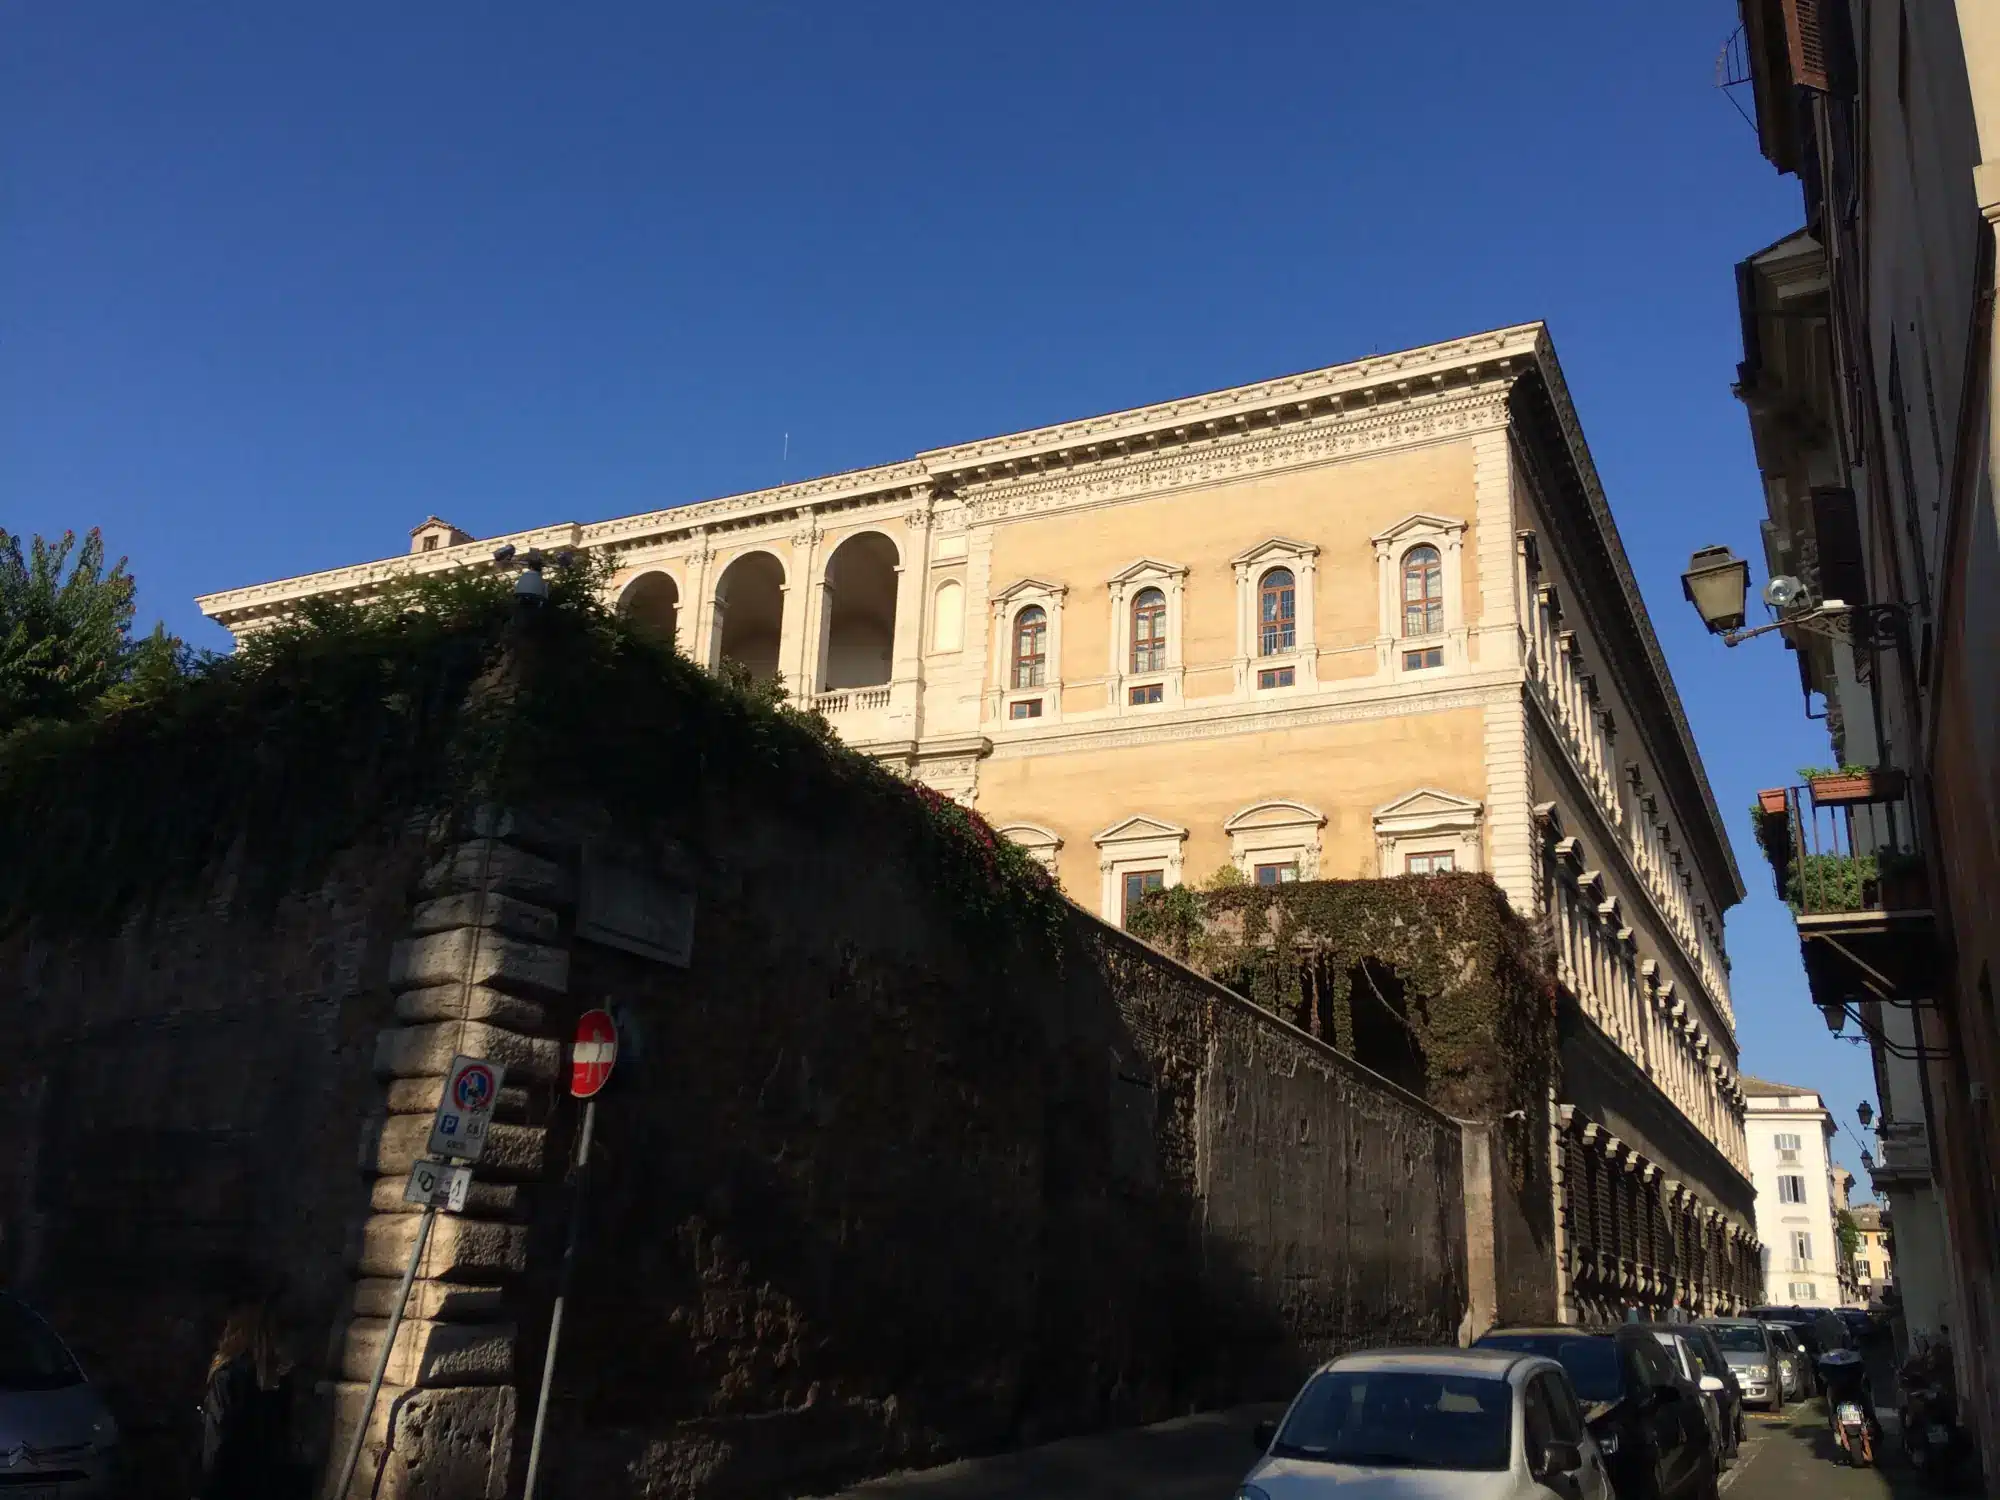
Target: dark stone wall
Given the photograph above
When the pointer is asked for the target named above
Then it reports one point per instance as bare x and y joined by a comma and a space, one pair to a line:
863, 1197
865, 1201
180, 1107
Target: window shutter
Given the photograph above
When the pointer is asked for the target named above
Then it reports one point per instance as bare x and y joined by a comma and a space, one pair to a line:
1843, 573
1807, 43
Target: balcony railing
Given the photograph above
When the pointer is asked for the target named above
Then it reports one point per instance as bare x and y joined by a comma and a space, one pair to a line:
1842, 851
850, 700
1839, 847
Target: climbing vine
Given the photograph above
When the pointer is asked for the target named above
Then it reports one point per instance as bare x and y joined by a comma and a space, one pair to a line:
347, 719
1476, 992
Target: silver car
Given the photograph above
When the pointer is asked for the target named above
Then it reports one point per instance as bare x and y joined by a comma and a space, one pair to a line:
1791, 1361
1754, 1355
57, 1439
1430, 1424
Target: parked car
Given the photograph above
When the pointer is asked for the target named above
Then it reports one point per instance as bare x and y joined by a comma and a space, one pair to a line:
1792, 1356
56, 1434
1680, 1348
1648, 1426
1718, 1378
1799, 1322
1753, 1353
1485, 1424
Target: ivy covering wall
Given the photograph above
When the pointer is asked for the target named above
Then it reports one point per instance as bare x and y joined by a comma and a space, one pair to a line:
440, 695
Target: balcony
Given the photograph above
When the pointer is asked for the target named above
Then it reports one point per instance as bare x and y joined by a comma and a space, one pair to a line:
1841, 851
850, 700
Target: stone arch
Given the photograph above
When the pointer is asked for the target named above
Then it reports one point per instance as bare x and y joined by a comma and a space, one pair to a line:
750, 613
652, 602
1385, 1040
858, 621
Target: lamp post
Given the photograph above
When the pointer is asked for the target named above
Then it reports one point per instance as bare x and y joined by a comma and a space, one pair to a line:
1717, 584
1865, 1113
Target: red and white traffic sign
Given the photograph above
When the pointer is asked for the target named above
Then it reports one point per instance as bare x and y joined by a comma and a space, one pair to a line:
593, 1053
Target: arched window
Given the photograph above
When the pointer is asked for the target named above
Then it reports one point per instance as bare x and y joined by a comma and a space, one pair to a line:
1423, 592
1149, 631
1277, 613
1031, 643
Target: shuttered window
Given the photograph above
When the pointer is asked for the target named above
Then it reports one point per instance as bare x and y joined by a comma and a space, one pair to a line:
1807, 42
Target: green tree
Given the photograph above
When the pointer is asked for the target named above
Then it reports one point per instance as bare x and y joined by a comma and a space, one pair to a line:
66, 630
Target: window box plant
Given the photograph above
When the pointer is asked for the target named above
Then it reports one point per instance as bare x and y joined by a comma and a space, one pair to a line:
1838, 787
1771, 801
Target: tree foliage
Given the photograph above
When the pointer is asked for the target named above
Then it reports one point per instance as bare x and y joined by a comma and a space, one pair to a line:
66, 631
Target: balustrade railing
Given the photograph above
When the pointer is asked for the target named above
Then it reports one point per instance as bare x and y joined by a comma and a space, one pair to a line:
849, 700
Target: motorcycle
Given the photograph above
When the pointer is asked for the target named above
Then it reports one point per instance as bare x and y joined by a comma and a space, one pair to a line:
1934, 1443
1849, 1409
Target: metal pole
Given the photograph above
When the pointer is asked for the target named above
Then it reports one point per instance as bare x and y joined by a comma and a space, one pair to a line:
563, 1279
382, 1360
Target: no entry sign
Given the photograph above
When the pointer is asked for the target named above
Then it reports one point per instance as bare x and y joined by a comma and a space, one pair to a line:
593, 1053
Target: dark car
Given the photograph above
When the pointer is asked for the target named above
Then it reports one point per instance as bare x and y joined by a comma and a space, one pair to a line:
1647, 1422
1715, 1366
1801, 1321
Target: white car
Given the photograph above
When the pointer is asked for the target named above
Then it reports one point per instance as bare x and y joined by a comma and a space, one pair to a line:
56, 1435
1430, 1424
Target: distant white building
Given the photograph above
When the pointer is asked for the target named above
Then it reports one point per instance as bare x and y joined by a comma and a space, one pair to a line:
1789, 1132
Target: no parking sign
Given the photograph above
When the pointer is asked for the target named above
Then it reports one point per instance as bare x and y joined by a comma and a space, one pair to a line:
471, 1089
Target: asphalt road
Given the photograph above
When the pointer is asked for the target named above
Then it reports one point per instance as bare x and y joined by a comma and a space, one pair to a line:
1790, 1456
1191, 1458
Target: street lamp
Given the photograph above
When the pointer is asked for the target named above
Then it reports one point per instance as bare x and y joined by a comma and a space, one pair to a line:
1868, 1162
1835, 1013
1716, 583
1866, 1113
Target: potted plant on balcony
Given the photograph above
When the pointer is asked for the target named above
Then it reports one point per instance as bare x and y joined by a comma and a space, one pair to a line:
1771, 801
1842, 785
1819, 884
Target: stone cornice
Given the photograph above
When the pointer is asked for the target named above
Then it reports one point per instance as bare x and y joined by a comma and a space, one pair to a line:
1632, 648
1414, 396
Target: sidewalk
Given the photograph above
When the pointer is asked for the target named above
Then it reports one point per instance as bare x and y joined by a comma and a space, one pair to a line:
1191, 1458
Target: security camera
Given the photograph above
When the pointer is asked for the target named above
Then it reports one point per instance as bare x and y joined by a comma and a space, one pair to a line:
1783, 591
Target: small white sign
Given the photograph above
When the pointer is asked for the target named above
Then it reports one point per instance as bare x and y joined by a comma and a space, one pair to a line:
439, 1184
465, 1112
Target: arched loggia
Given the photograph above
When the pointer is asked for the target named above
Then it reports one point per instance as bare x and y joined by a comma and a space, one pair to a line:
859, 628
750, 613
652, 602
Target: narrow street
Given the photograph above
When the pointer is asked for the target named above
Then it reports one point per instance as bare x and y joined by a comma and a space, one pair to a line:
1791, 1457
1785, 1457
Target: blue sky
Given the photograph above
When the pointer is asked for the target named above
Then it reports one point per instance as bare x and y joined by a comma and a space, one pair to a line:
278, 281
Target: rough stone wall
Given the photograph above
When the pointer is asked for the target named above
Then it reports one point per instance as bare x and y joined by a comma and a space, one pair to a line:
180, 1103
860, 1203
861, 1198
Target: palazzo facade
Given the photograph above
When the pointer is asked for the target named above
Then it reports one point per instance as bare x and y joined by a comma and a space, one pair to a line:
1371, 620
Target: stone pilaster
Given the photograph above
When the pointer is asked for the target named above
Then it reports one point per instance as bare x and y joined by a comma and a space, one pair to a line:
484, 962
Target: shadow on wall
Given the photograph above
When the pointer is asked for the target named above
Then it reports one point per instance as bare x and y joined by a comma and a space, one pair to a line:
186, 1099
864, 1205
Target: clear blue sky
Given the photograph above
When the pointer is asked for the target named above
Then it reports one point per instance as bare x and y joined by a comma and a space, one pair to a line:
277, 281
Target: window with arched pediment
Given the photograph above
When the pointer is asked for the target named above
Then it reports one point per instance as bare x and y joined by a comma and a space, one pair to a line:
1277, 613
1149, 631
1031, 647
1423, 591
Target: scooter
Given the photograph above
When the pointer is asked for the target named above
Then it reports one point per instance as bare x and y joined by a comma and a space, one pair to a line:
1848, 1406
1934, 1443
